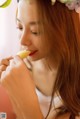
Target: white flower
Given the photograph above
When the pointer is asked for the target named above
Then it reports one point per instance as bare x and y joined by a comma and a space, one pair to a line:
71, 4
78, 10
74, 5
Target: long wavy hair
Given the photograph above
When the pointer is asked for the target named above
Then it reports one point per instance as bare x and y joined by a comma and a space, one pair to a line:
61, 27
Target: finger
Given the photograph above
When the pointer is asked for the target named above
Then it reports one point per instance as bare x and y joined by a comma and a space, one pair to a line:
18, 60
7, 69
24, 62
5, 73
28, 64
12, 63
5, 61
9, 58
3, 67
2, 75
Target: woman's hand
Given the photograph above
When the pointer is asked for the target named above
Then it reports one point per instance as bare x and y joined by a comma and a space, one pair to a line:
4, 63
18, 82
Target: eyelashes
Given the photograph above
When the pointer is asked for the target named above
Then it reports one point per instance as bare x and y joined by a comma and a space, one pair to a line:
17, 0
20, 28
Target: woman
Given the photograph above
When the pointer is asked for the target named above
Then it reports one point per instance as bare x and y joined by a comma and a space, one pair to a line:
51, 32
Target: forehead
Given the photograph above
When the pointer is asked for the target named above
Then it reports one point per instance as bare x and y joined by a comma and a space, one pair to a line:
27, 11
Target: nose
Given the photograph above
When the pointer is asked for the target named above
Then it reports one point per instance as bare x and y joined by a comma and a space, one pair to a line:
25, 39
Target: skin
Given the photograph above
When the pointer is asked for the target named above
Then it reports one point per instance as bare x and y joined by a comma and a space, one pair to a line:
45, 81
30, 37
29, 34
15, 76
12, 72
12, 80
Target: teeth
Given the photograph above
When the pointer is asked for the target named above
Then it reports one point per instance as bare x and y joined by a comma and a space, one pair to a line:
23, 54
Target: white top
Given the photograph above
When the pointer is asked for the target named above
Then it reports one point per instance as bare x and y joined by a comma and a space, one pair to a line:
45, 102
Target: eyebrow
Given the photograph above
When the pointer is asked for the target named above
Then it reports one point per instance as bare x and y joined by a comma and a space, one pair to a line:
31, 22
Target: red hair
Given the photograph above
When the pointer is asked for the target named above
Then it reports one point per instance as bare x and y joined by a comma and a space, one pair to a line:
61, 27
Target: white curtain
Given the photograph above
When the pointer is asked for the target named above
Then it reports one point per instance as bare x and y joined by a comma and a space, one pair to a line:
9, 43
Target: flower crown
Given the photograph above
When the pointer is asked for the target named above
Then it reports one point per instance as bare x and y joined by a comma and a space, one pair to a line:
71, 4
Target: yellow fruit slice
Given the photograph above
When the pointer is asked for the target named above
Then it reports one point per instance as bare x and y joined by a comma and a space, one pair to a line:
5, 4
23, 54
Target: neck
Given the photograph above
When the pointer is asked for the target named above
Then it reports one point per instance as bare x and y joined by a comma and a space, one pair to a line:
50, 64
44, 76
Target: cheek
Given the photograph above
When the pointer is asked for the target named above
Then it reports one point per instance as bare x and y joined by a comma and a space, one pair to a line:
36, 42
45, 49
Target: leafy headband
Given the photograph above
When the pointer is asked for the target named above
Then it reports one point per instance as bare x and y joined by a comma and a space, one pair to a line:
5, 3
71, 4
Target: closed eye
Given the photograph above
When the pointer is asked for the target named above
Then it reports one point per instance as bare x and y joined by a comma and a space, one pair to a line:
35, 33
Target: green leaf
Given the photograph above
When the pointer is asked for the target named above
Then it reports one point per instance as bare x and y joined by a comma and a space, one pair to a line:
5, 4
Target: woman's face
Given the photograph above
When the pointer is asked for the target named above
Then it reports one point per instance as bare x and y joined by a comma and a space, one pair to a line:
28, 30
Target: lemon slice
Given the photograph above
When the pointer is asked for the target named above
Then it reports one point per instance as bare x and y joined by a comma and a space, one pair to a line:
23, 54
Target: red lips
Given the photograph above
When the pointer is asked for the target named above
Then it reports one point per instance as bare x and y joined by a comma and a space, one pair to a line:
32, 53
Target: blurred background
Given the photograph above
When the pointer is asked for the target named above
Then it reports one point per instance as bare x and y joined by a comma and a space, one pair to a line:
9, 43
